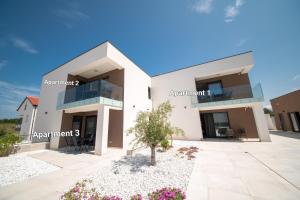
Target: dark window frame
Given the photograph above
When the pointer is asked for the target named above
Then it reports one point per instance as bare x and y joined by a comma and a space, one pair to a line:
149, 92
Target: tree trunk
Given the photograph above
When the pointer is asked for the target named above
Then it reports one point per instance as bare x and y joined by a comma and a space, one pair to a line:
153, 162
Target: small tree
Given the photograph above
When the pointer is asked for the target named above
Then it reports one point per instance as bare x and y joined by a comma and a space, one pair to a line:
153, 127
268, 111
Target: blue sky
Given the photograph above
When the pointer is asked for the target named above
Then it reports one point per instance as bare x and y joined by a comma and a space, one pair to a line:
159, 36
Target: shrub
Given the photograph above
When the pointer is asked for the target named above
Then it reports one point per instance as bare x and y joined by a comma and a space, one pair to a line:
167, 194
111, 198
136, 197
165, 145
80, 192
7, 142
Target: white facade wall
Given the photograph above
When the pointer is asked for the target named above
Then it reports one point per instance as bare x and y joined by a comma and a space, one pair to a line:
183, 116
270, 122
48, 94
28, 117
136, 83
261, 123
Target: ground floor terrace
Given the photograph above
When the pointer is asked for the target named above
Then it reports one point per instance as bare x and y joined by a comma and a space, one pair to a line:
229, 123
93, 129
243, 122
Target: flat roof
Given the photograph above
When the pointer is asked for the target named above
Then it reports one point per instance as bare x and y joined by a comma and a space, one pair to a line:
297, 90
181, 68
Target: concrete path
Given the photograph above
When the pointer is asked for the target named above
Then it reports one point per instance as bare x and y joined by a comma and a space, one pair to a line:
249, 170
50, 186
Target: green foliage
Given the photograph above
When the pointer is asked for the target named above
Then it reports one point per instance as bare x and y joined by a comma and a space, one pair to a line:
165, 144
7, 141
6, 128
8, 137
153, 127
11, 121
268, 111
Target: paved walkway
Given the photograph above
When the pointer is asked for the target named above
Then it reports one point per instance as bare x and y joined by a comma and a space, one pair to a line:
51, 185
249, 170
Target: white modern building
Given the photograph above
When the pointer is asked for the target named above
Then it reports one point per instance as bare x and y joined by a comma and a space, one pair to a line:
27, 111
109, 90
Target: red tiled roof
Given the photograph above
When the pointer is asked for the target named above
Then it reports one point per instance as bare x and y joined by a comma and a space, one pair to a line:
33, 100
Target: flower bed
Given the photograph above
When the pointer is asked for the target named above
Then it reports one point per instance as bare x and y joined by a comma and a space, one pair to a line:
81, 192
167, 194
132, 177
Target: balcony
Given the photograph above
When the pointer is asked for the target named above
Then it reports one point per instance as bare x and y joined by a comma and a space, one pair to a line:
96, 92
241, 94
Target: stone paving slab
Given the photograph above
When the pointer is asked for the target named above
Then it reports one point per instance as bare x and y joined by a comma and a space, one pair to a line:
249, 170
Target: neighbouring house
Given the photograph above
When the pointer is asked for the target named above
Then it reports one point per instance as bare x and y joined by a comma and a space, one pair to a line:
110, 90
27, 111
286, 109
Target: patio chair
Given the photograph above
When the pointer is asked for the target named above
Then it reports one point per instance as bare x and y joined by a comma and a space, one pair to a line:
222, 131
230, 133
241, 133
75, 143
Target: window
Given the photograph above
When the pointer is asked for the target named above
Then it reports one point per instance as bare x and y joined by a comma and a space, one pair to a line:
149, 93
215, 88
221, 123
25, 105
221, 119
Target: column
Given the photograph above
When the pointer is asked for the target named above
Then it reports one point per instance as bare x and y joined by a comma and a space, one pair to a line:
261, 123
102, 130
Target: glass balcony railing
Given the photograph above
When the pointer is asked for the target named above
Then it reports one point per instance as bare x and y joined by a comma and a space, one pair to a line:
99, 91
229, 95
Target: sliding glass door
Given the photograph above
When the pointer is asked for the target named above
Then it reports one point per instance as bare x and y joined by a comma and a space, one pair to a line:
214, 124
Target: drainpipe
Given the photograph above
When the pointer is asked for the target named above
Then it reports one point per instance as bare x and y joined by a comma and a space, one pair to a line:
33, 122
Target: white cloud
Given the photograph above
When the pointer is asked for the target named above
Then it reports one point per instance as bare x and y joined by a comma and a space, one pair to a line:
3, 63
239, 3
24, 45
241, 42
12, 95
232, 11
203, 6
71, 15
296, 77
13, 92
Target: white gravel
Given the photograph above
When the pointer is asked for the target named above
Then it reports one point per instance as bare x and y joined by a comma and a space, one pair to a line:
134, 175
16, 168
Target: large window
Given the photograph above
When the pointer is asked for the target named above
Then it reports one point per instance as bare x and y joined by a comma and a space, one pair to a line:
221, 120
214, 124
